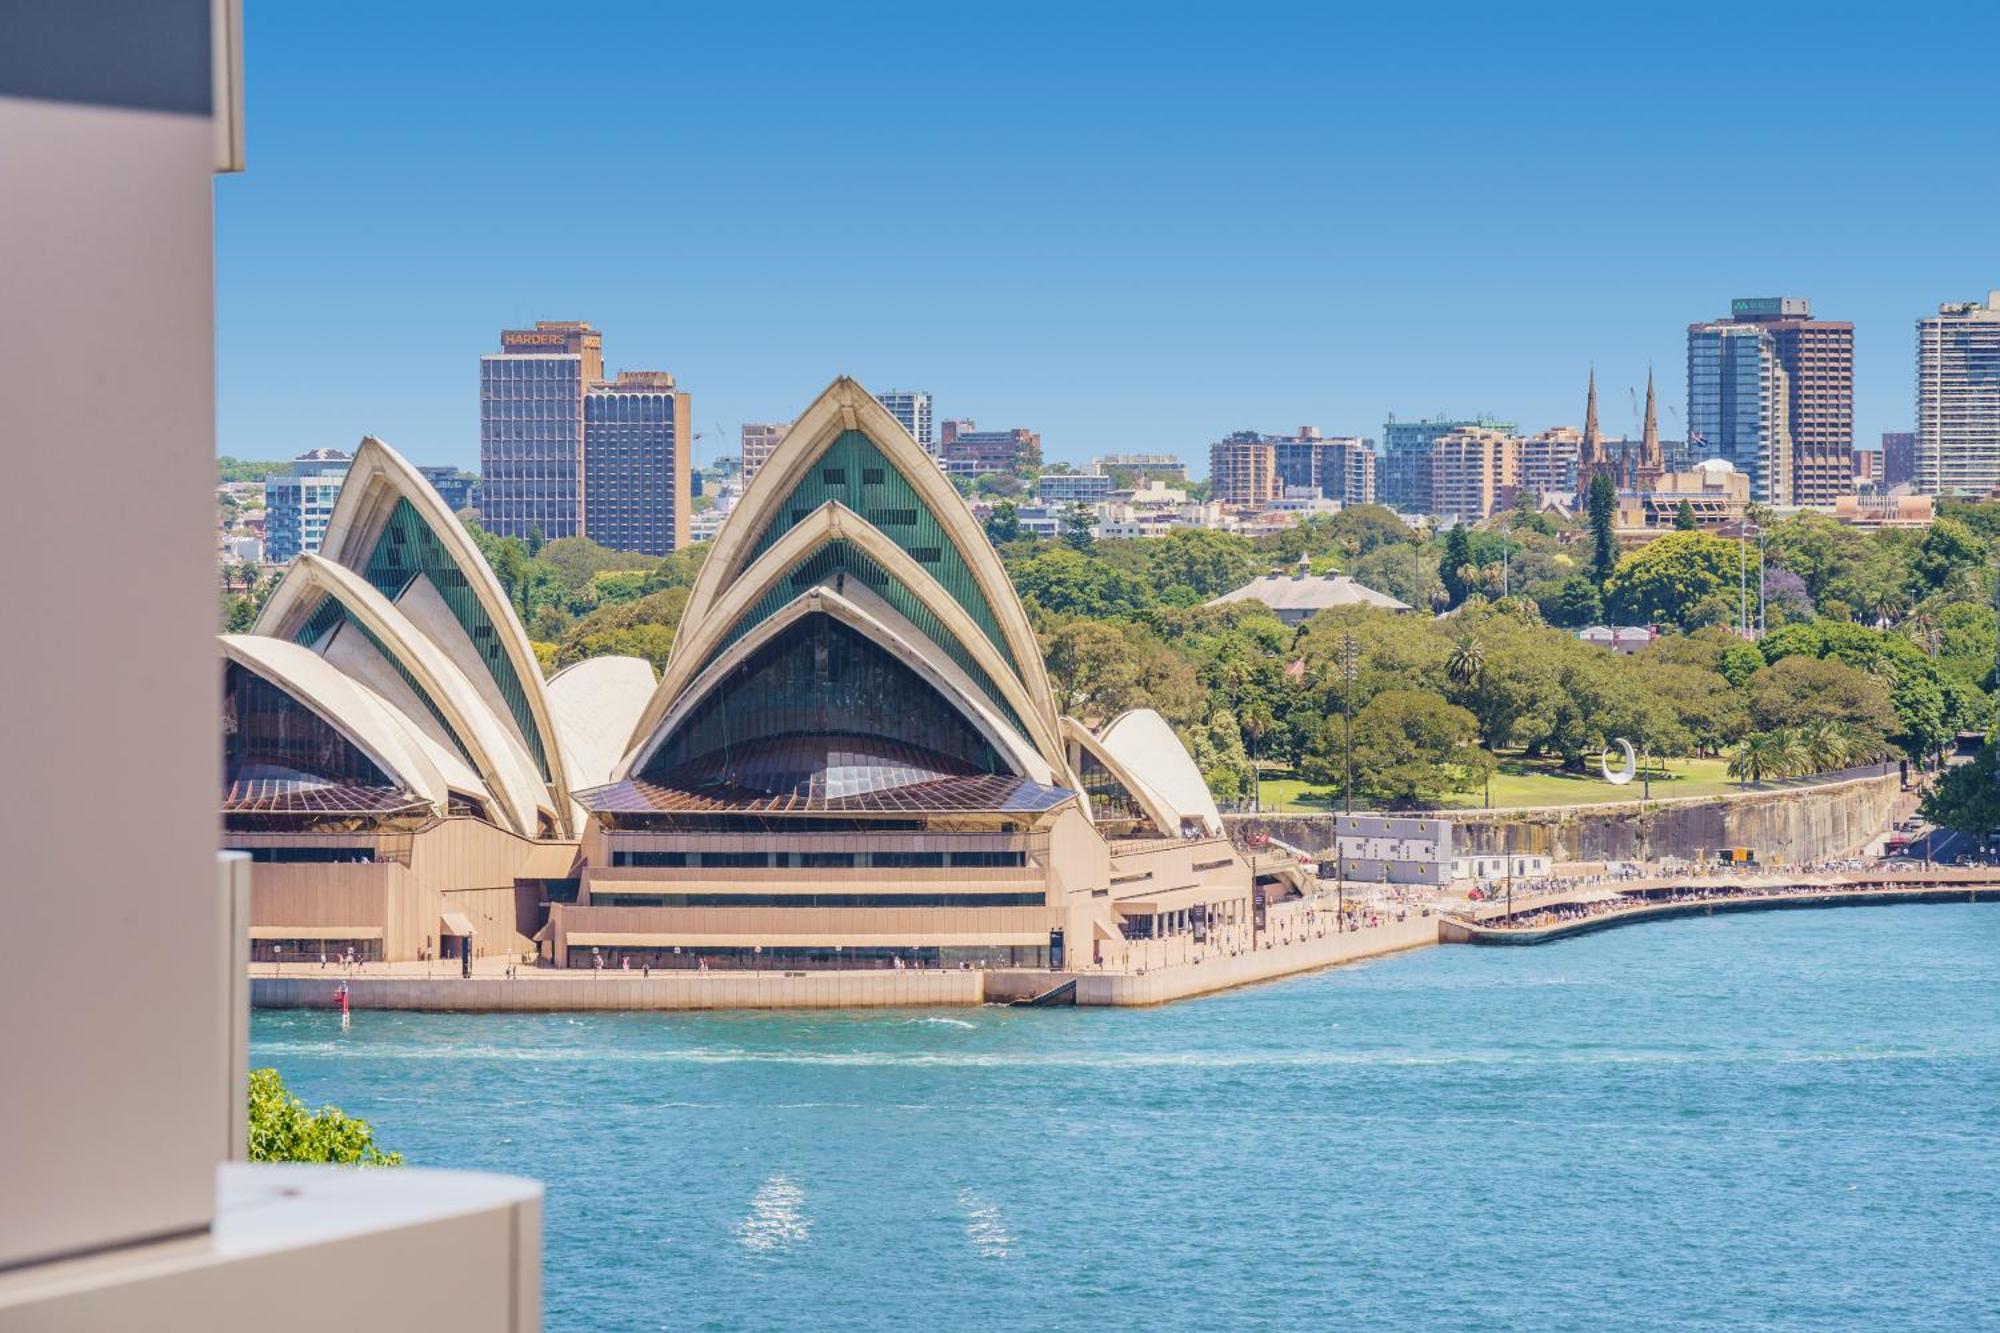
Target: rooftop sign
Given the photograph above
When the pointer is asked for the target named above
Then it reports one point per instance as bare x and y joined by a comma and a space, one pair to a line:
1770, 307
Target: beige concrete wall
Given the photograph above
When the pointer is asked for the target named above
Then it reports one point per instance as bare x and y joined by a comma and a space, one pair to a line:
542, 991
1794, 824
111, 711
771, 926
457, 865
284, 894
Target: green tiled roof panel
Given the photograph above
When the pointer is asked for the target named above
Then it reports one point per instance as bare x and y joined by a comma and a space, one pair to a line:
407, 548
854, 472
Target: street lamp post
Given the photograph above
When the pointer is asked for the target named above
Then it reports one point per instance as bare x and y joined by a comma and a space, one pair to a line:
1760, 580
1742, 583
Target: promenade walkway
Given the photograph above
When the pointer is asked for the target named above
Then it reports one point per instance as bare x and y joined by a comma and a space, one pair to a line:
1309, 943
1556, 914
1548, 912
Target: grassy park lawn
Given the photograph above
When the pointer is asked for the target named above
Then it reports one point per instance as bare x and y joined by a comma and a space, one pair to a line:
1528, 782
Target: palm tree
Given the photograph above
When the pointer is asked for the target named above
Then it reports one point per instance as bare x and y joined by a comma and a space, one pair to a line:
1758, 756
1467, 661
1923, 631
1825, 746
1885, 604
1793, 757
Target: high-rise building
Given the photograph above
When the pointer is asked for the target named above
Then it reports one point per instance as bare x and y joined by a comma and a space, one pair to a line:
1899, 457
1958, 399
759, 439
459, 490
636, 442
1243, 469
1868, 470
1739, 404
967, 451
1549, 461
1404, 477
1338, 467
1818, 357
298, 501
531, 428
912, 407
1474, 471
544, 407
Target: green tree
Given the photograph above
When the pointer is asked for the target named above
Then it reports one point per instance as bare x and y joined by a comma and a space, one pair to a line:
1684, 518
1061, 580
1410, 748
611, 586
1467, 662
283, 1130
1758, 757
1800, 693
1099, 669
1820, 550
1967, 797
1365, 528
1403, 570
1076, 524
1602, 506
1703, 703
1825, 746
238, 614
1004, 523
644, 627
1209, 562
1949, 554
1666, 580
1927, 705
1576, 603
1456, 560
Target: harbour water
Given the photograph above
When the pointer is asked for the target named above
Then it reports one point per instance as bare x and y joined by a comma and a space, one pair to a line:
1777, 1121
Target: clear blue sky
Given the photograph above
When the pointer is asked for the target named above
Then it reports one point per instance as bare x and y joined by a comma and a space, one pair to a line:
1130, 228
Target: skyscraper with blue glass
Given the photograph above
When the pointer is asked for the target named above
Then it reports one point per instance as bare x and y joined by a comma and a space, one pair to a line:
298, 501
1739, 405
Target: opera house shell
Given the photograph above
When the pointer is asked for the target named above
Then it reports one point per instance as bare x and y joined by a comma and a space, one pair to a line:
853, 758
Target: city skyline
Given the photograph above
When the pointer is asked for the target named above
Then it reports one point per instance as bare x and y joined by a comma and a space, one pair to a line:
1321, 272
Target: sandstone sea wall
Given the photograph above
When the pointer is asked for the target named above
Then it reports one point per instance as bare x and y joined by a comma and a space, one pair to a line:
1788, 824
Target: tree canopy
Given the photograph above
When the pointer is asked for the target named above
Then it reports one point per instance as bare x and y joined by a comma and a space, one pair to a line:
283, 1130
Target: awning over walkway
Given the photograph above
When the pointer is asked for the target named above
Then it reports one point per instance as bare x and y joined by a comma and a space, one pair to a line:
1174, 899
455, 923
315, 932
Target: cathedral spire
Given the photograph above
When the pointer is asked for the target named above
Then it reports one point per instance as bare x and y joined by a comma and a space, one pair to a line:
1649, 448
1590, 437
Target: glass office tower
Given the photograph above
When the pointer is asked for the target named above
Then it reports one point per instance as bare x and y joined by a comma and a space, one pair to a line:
1738, 397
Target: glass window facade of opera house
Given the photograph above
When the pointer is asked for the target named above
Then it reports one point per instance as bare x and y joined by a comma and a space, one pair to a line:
852, 759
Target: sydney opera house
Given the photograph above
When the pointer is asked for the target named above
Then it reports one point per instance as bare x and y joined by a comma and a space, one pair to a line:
852, 760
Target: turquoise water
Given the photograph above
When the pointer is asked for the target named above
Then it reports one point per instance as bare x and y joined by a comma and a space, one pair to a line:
1781, 1120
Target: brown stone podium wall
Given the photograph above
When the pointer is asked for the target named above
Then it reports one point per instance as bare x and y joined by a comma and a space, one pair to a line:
1791, 824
